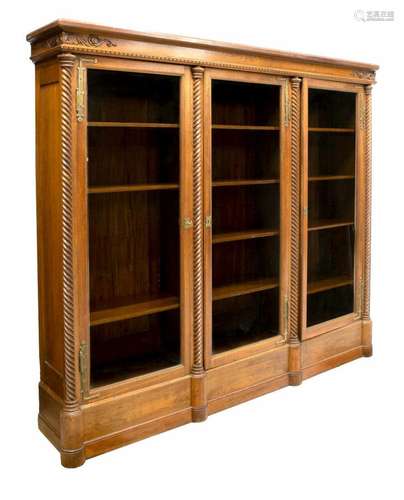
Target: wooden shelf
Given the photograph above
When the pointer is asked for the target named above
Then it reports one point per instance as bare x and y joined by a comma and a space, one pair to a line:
121, 370
228, 291
223, 343
243, 235
133, 124
244, 127
331, 177
244, 182
329, 129
134, 310
329, 224
129, 188
328, 284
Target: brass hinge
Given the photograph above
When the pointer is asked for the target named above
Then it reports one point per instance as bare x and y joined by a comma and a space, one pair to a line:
187, 223
80, 93
286, 105
208, 221
83, 363
286, 315
80, 90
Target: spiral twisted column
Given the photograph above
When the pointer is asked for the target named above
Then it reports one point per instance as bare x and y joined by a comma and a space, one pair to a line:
367, 348
199, 404
72, 453
71, 399
197, 74
295, 213
295, 372
368, 201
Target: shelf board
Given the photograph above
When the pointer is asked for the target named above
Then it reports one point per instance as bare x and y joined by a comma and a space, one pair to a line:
244, 182
129, 188
223, 343
129, 368
243, 235
133, 124
331, 129
328, 284
331, 177
244, 127
133, 310
329, 224
234, 290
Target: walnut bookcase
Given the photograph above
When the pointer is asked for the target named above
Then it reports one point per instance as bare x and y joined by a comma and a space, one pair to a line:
203, 227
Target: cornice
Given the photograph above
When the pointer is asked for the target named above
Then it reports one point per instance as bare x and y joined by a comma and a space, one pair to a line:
104, 31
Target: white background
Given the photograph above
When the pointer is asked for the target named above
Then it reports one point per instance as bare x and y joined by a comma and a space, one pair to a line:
339, 435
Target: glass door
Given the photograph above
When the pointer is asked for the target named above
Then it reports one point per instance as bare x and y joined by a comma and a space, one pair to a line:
134, 135
244, 197
330, 186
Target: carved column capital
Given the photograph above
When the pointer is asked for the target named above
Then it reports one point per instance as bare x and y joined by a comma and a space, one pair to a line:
368, 89
67, 60
295, 81
197, 72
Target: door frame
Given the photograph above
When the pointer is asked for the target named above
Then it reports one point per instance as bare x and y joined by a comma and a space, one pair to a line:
326, 326
213, 360
185, 211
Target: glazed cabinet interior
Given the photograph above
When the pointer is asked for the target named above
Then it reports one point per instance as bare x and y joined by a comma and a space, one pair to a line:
203, 216
136, 222
135, 229
331, 184
137, 191
244, 280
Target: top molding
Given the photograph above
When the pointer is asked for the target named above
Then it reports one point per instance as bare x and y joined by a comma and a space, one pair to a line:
72, 36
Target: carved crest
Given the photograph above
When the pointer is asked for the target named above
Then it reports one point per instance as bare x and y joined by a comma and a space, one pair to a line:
364, 75
91, 40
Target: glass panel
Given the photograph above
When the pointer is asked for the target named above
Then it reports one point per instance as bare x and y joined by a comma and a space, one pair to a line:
132, 97
134, 347
133, 210
244, 319
239, 103
331, 205
245, 213
331, 109
238, 155
131, 155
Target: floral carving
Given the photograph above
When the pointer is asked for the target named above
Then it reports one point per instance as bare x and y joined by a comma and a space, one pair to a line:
91, 40
364, 75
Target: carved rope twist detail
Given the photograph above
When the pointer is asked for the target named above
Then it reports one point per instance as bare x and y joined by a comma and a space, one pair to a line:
294, 258
70, 362
368, 202
197, 74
